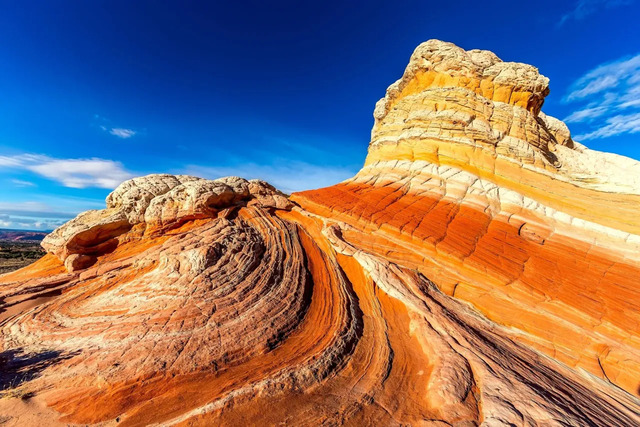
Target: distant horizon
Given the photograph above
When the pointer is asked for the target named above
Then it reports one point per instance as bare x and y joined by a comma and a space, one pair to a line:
96, 93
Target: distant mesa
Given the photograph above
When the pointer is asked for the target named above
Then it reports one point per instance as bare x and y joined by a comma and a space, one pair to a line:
481, 268
22, 235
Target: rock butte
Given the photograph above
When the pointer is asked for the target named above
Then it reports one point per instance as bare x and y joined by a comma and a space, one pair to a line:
482, 268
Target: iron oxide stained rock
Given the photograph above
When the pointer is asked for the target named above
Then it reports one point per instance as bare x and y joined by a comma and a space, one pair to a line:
479, 269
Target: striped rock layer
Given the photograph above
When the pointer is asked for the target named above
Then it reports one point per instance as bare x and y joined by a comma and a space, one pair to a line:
482, 268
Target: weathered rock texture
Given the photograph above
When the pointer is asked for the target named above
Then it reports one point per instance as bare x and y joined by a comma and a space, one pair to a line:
482, 268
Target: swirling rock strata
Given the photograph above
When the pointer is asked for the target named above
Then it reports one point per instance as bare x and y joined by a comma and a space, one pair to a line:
447, 283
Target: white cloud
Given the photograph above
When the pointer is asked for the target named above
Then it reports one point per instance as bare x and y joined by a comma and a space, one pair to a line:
586, 114
74, 173
623, 72
35, 224
105, 124
584, 8
629, 123
288, 176
36, 215
14, 161
65, 207
23, 207
30, 222
594, 85
612, 91
82, 173
122, 133
22, 183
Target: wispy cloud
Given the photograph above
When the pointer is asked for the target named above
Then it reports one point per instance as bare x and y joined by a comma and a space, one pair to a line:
30, 223
74, 173
585, 114
5, 221
584, 8
624, 72
22, 183
32, 215
122, 133
287, 176
615, 125
38, 209
106, 125
611, 92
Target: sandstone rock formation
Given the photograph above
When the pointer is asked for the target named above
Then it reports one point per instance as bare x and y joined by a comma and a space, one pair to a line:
482, 268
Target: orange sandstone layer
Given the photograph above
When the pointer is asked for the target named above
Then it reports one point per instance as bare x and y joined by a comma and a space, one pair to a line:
573, 300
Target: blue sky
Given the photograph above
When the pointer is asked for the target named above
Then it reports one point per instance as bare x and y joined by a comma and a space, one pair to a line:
93, 93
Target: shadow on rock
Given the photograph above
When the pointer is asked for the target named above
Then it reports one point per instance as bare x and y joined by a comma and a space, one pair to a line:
18, 367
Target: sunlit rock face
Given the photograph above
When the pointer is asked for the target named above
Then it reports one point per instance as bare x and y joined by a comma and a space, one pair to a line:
482, 268
469, 183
